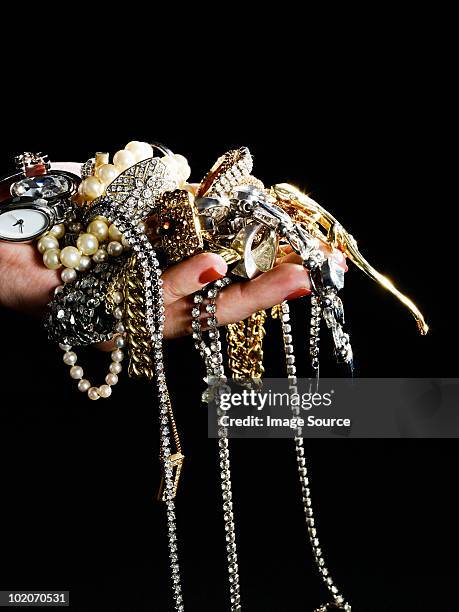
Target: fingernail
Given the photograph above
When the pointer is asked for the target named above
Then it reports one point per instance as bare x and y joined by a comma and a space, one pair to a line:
209, 275
298, 293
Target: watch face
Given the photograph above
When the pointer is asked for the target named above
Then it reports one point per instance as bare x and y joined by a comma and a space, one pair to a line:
22, 224
45, 186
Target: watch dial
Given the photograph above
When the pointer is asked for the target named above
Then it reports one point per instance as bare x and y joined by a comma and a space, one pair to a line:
22, 224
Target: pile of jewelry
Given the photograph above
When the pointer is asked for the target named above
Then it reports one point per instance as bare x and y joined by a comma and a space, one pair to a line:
112, 231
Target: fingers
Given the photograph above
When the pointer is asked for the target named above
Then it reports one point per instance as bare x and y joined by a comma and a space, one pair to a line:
240, 300
336, 254
191, 275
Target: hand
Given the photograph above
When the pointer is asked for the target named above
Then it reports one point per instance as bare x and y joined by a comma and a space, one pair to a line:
26, 285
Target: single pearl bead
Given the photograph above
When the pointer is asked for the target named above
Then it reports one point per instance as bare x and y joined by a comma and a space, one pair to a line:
141, 225
111, 379
120, 328
184, 168
117, 297
69, 358
118, 313
100, 256
114, 248
85, 264
105, 391
51, 259
68, 275
75, 227
83, 385
87, 244
123, 160
114, 233
107, 173
99, 229
115, 367
47, 242
76, 372
58, 230
64, 347
171, 164
117, 355
140, 150
93, 393
70, 257
120, 342
92, 188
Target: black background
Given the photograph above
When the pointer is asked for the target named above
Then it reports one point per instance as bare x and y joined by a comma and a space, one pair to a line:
78, 479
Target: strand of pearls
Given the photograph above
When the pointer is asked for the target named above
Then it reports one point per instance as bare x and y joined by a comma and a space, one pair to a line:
77, 373
92, 187
100, 240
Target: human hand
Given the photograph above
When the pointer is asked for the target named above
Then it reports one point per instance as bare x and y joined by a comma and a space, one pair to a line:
27, 285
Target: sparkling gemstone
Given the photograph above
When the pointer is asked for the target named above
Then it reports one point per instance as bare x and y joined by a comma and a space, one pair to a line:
46, 186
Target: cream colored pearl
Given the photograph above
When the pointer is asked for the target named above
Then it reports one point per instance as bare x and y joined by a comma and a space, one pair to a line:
84, 385
100, 256
140, 150
115, 367
68, 275
118, 313
107, 173
76, 372
184, 168
114, 248
58, 231
85, 264
51, 259
123, 159
120, 342
70, 257
171, 164
69, 358
47, 242
99, 229
117, 297
92, 188
111, 379
114, 233
105, 391
117, 355
87, 244
93, 393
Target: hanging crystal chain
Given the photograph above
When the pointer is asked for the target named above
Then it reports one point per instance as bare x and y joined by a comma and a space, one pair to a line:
155, 317
338, 599
216, 379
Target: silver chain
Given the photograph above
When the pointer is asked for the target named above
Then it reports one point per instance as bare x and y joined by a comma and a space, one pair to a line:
213, 359
338, 599
155, 320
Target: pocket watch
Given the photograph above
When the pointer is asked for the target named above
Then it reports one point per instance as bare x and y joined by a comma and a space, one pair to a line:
24, 219
37, 198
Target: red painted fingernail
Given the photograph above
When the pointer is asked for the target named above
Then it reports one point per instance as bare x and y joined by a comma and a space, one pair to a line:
209, 275
298, 293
